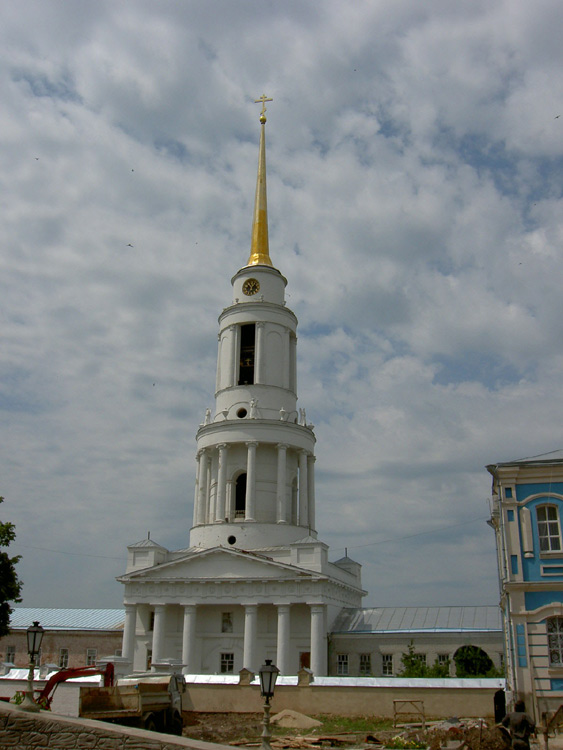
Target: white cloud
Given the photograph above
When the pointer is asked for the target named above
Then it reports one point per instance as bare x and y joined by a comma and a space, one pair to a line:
414, 162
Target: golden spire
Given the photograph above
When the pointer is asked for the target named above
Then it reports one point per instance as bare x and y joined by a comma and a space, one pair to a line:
259, 247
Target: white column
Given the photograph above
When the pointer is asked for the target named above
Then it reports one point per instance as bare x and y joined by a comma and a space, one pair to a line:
259, 354
219, 352
158, 633
311, 490
282, 656
318, 640
250, 499
128, 647
188, 640
221, 484
286, 360
230, 503
250, 629
202, 486
281, 490
303, 501
196, 491
234, 356
293, 352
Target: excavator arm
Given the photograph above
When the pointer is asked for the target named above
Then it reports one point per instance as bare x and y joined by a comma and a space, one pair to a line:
45, 696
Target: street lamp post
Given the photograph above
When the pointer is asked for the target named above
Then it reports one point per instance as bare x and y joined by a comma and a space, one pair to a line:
34, 638
268, 675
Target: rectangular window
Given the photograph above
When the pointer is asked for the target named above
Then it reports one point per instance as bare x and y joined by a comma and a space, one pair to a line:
227, 622
149, 658
443, 658
63, 658
342, 664
11, 654
420, 657
365, 665
549, 532
387, 665
247, 348
117, 652
555, 640
508, 493
151, 622
514, 564
91, 656
227, 663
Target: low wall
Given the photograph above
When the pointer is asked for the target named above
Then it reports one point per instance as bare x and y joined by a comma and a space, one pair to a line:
27, 731
439, 701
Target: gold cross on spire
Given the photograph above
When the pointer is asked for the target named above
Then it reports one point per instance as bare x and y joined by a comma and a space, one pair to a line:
263, 99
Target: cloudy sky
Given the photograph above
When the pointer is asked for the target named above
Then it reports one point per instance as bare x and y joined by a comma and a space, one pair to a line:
415, 162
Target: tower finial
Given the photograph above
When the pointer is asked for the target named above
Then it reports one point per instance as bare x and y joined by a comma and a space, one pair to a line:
259, 247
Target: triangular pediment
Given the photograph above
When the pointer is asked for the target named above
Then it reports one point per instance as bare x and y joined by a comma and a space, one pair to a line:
219, 563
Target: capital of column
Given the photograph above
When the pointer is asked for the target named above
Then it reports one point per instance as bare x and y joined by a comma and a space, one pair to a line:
282, 446
260, 324
252, 444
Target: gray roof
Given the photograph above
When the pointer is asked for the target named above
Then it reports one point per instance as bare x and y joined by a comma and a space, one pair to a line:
418, 619
543, 458
68, 619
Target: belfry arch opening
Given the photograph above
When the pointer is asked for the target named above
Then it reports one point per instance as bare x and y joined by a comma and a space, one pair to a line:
247, 354
240, 496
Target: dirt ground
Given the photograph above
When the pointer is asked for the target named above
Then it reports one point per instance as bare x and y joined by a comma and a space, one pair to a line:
246, 729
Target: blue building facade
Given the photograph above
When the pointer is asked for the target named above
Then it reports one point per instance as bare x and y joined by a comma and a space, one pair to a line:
526, 511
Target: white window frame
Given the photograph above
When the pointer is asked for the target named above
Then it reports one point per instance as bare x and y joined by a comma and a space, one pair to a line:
63, 658
227, 665
11, 654
387, 665
342, 665
226, 622
91, 656
549, 528
554, 628
365, 665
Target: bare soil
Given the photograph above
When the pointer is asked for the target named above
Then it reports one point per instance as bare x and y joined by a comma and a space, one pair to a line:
246, 729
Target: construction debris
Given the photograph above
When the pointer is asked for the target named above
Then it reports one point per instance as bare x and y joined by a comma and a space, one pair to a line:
294, 720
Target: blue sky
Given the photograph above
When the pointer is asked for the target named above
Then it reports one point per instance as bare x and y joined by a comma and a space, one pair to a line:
414, 188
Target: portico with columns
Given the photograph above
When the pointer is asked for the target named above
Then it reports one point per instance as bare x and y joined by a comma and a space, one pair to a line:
255, 581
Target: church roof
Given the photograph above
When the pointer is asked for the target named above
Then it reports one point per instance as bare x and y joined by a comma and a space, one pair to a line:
418, 619
67, 619
145, 543
553, 456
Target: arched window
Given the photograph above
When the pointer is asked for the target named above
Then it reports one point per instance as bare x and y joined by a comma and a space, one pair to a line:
549, 530
555, 640
240, 496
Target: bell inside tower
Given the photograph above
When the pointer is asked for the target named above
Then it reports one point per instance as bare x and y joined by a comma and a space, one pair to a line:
247, 350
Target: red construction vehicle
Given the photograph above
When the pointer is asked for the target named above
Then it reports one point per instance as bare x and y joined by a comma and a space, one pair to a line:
44, 697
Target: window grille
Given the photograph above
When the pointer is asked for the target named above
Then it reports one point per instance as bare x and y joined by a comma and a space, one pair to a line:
11, 654
555, 640
342, 664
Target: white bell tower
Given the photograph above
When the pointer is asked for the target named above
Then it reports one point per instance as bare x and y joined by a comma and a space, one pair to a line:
255, 581
255, 453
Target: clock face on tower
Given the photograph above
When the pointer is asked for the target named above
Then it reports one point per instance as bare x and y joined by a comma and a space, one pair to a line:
250, 287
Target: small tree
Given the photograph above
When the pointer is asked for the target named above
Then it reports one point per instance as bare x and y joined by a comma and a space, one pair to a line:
414, 665
10, 586
472, 661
